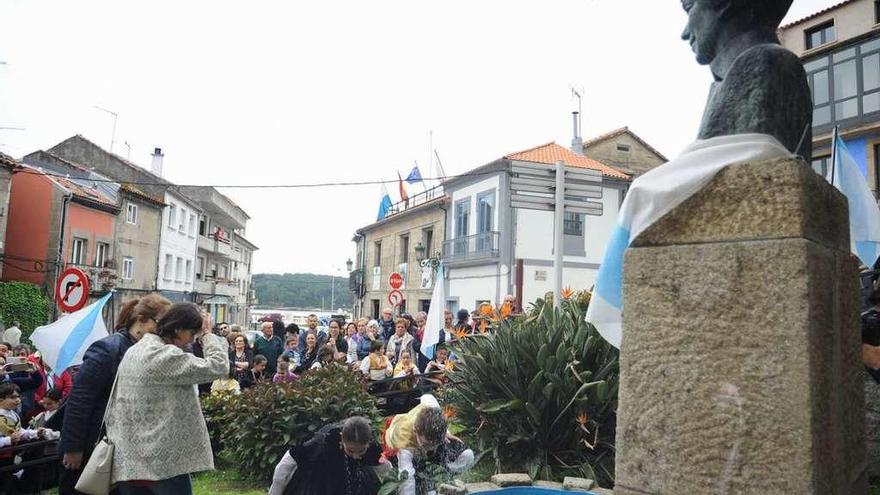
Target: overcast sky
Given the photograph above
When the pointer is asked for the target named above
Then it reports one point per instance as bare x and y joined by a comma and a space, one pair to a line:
298, 92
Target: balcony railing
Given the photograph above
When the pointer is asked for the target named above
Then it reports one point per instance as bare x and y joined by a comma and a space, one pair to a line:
472, 247
416, 200
100, 278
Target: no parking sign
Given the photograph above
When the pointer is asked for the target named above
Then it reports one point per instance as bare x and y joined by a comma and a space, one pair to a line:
72, 290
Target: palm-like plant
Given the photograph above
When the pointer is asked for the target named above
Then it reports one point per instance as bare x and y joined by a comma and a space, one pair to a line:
540, 394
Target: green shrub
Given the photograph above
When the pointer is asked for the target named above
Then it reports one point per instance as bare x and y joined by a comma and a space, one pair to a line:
25, 303
540, 394
258, 426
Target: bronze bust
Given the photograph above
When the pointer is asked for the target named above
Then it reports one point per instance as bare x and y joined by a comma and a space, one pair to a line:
759, 87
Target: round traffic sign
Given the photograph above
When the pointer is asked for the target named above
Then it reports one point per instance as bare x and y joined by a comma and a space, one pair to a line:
395, 297
72, 290
395, 280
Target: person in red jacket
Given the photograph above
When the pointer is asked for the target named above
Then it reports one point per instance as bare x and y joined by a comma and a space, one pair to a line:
64, 383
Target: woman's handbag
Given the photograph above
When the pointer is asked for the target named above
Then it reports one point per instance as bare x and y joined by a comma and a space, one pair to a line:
96, 475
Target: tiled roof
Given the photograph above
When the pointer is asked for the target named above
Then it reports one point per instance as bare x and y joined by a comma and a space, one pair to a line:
551, 153
816, 14
74, 188
8, 161
624, 130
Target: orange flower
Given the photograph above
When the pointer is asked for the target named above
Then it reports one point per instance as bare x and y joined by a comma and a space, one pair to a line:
506, 309
484, 326
461, 333
450, 365
449, 412
582, 419
486, 309
567, 293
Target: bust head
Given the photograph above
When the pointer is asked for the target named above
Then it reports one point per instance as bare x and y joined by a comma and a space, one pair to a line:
712, 23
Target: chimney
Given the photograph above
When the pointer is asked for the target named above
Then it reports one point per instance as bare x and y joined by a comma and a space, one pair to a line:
156, 167
577, 143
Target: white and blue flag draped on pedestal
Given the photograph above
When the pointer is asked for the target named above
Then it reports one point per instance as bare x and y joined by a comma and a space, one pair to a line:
864, 215
63, 342
435, 322
655, 194
385, 204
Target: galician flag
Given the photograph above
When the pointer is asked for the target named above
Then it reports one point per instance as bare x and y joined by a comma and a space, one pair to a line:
655, 194
385, 204
435, 322
63, 342
864, 215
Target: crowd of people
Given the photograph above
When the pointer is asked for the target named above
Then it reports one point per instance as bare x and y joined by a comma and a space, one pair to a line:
138, 387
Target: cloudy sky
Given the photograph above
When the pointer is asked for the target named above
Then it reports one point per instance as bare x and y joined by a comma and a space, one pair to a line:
317, 91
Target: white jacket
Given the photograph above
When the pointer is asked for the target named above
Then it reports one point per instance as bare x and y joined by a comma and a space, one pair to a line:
155, 420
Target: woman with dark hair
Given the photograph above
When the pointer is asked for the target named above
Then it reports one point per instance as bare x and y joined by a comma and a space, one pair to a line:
154, 418
339, 460
241, 357
336, 340
87, 400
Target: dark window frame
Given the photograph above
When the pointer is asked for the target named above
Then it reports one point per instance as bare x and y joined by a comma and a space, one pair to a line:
826, 31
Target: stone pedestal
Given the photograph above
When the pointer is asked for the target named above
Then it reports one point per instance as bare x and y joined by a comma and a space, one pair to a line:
740, 362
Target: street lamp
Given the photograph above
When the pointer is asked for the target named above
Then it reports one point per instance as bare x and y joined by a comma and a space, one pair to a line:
349, 265
432, 260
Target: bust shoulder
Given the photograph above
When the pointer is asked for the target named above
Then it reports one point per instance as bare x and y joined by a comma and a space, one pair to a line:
765, 60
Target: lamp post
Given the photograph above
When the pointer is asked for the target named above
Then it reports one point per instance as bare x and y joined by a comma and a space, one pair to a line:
432, 260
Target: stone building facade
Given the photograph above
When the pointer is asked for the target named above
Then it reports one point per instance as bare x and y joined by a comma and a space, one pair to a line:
395, 244
625, 151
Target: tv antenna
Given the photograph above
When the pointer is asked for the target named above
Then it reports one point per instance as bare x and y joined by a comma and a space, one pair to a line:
115, 118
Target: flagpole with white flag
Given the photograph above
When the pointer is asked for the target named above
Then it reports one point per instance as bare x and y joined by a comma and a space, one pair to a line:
864, 214
436, 316
63, 342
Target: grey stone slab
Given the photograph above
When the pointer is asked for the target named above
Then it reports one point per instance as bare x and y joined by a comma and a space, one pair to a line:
572, 483
512, 479
740, 362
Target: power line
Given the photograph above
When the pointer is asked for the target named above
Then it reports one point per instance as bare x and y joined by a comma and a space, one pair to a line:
247, 186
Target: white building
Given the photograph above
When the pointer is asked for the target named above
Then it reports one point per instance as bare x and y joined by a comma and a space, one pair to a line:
492, 250
178, 245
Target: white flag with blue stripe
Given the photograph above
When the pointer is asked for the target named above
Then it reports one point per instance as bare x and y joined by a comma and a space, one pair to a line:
63, 342
655, 194
864, 215
436, 316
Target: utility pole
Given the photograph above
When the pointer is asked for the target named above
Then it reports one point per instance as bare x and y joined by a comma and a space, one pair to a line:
332, 292
115, 118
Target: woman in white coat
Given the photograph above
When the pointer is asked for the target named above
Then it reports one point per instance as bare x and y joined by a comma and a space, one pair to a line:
154, 418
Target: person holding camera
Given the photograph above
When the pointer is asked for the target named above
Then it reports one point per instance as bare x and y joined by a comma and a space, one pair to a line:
154, 418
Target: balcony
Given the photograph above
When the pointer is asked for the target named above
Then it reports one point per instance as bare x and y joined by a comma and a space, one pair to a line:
215, 245
217, 205
101, 279
472, 248
217, 287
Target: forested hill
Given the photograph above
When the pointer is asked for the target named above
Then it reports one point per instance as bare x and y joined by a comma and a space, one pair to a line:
301, 290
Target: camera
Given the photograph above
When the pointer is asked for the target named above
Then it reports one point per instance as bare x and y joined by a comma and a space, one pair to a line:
17, 364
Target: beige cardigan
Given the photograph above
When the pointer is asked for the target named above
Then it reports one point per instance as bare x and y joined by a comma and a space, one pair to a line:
155, 420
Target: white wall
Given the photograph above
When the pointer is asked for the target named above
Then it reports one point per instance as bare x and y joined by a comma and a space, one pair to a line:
476, 283
576, 278
178, 245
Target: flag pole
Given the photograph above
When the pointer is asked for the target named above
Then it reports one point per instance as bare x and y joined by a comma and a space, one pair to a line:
834, 136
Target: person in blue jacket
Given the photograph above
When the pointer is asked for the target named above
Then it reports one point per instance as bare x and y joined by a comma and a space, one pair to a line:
84, 409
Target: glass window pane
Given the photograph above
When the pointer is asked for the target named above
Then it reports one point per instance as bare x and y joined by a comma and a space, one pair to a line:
830, 34
816, 64
844, 55
845, 84
870, 46
871, 72
871, 103
820, 88
814, 39
822, 115
846, 109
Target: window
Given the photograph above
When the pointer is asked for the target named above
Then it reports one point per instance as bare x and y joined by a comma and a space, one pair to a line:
424, 305
169, 266
574, 224
127, 268
178, 270
78, 251
876, 11
224, 272
200, 268
203, 225
428, 241
485, 220
131, 213
821, 165
181, 221
375, 309
377, 261
462, 225
172, 215
820, 35
213, 272
845, 84
191, 226
404, 248
623, 147
102, 250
